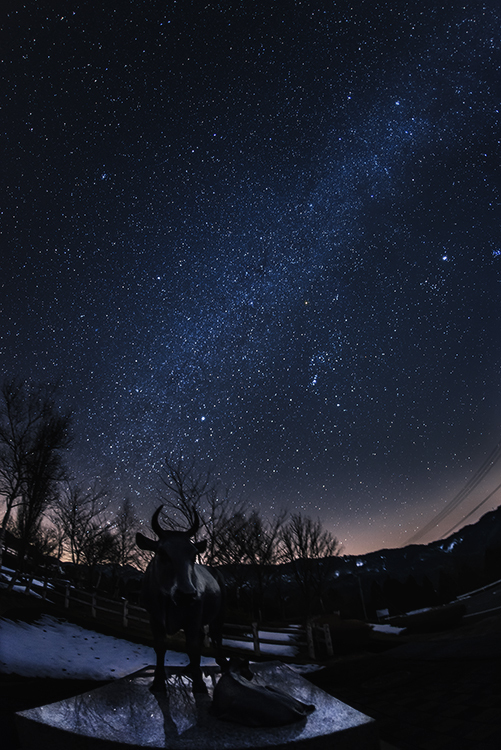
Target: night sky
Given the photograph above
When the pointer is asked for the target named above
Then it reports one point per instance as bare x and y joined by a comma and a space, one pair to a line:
267, 238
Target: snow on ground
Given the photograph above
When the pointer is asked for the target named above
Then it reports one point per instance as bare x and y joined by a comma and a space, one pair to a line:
279, 649
381, 628
59, 649
55, 648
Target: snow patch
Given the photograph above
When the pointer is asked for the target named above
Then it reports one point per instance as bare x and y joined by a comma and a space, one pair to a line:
61, 650
378, 628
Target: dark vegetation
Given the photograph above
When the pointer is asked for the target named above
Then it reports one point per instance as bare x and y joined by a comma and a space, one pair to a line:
283, 568
397, 580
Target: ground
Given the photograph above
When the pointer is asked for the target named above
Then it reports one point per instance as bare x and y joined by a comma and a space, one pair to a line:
439, 691
20, 693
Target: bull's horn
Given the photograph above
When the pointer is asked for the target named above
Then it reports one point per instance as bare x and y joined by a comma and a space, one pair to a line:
196, 523
155, 524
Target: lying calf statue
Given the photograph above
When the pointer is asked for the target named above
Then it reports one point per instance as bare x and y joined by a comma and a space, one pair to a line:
238, 700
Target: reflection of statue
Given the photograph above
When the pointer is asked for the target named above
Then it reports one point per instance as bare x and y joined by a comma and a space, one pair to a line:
241, 701
180, 595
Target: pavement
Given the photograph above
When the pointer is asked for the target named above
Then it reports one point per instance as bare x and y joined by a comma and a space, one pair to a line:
432, 692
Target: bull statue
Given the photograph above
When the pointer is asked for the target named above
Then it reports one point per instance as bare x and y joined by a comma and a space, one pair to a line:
179, 594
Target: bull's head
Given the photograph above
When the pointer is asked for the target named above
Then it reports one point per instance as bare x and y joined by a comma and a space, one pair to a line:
175, 556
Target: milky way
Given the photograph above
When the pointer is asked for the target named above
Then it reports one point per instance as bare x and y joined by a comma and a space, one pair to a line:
267, 239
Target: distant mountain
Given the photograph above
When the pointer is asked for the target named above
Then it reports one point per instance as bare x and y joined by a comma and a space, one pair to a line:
465, 548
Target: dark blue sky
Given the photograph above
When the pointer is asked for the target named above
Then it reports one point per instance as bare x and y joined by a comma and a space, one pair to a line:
267, 238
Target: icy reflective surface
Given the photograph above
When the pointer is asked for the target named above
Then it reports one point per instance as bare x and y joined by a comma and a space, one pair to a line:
126, 713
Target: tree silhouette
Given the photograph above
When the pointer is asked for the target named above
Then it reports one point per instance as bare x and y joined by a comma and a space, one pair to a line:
33, 437
79, 515
252, 542
124, 527
309, 549
186, 491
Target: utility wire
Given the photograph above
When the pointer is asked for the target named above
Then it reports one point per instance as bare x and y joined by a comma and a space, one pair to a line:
472, 511
461, 496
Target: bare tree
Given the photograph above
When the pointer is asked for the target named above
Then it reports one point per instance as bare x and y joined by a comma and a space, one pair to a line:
47, 542
221, 519
33, 436
309, 549
125, 527
187, 491
257, 539
16, 425
79, 515
88, 533
100, 546
44, 470
255, 542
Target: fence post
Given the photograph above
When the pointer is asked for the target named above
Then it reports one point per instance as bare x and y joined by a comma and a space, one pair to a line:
13, 580
45, 587
93, 605
67, 596
125, 614
309, 640
28, 585
328, 640
255, 638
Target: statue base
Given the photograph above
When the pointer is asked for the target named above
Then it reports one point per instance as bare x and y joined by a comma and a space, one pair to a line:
125, 714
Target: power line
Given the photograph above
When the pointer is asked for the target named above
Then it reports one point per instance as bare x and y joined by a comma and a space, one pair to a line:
461, 496
472, 511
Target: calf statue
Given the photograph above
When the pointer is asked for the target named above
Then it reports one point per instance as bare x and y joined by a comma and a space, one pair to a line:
239, 700
179, 594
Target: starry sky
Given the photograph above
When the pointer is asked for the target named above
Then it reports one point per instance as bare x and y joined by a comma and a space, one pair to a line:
265, 236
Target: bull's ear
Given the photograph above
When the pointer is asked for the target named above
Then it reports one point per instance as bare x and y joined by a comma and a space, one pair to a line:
144, 543
201, 546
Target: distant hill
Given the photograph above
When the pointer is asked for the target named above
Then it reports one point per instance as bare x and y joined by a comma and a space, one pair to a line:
466, 548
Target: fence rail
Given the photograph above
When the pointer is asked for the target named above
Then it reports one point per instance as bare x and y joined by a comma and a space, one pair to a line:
135, 619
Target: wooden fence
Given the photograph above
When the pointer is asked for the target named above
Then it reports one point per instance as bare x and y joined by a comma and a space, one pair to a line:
312, 640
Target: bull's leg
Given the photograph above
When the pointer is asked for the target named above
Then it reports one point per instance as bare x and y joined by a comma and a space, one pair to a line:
194, 642
160, 646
